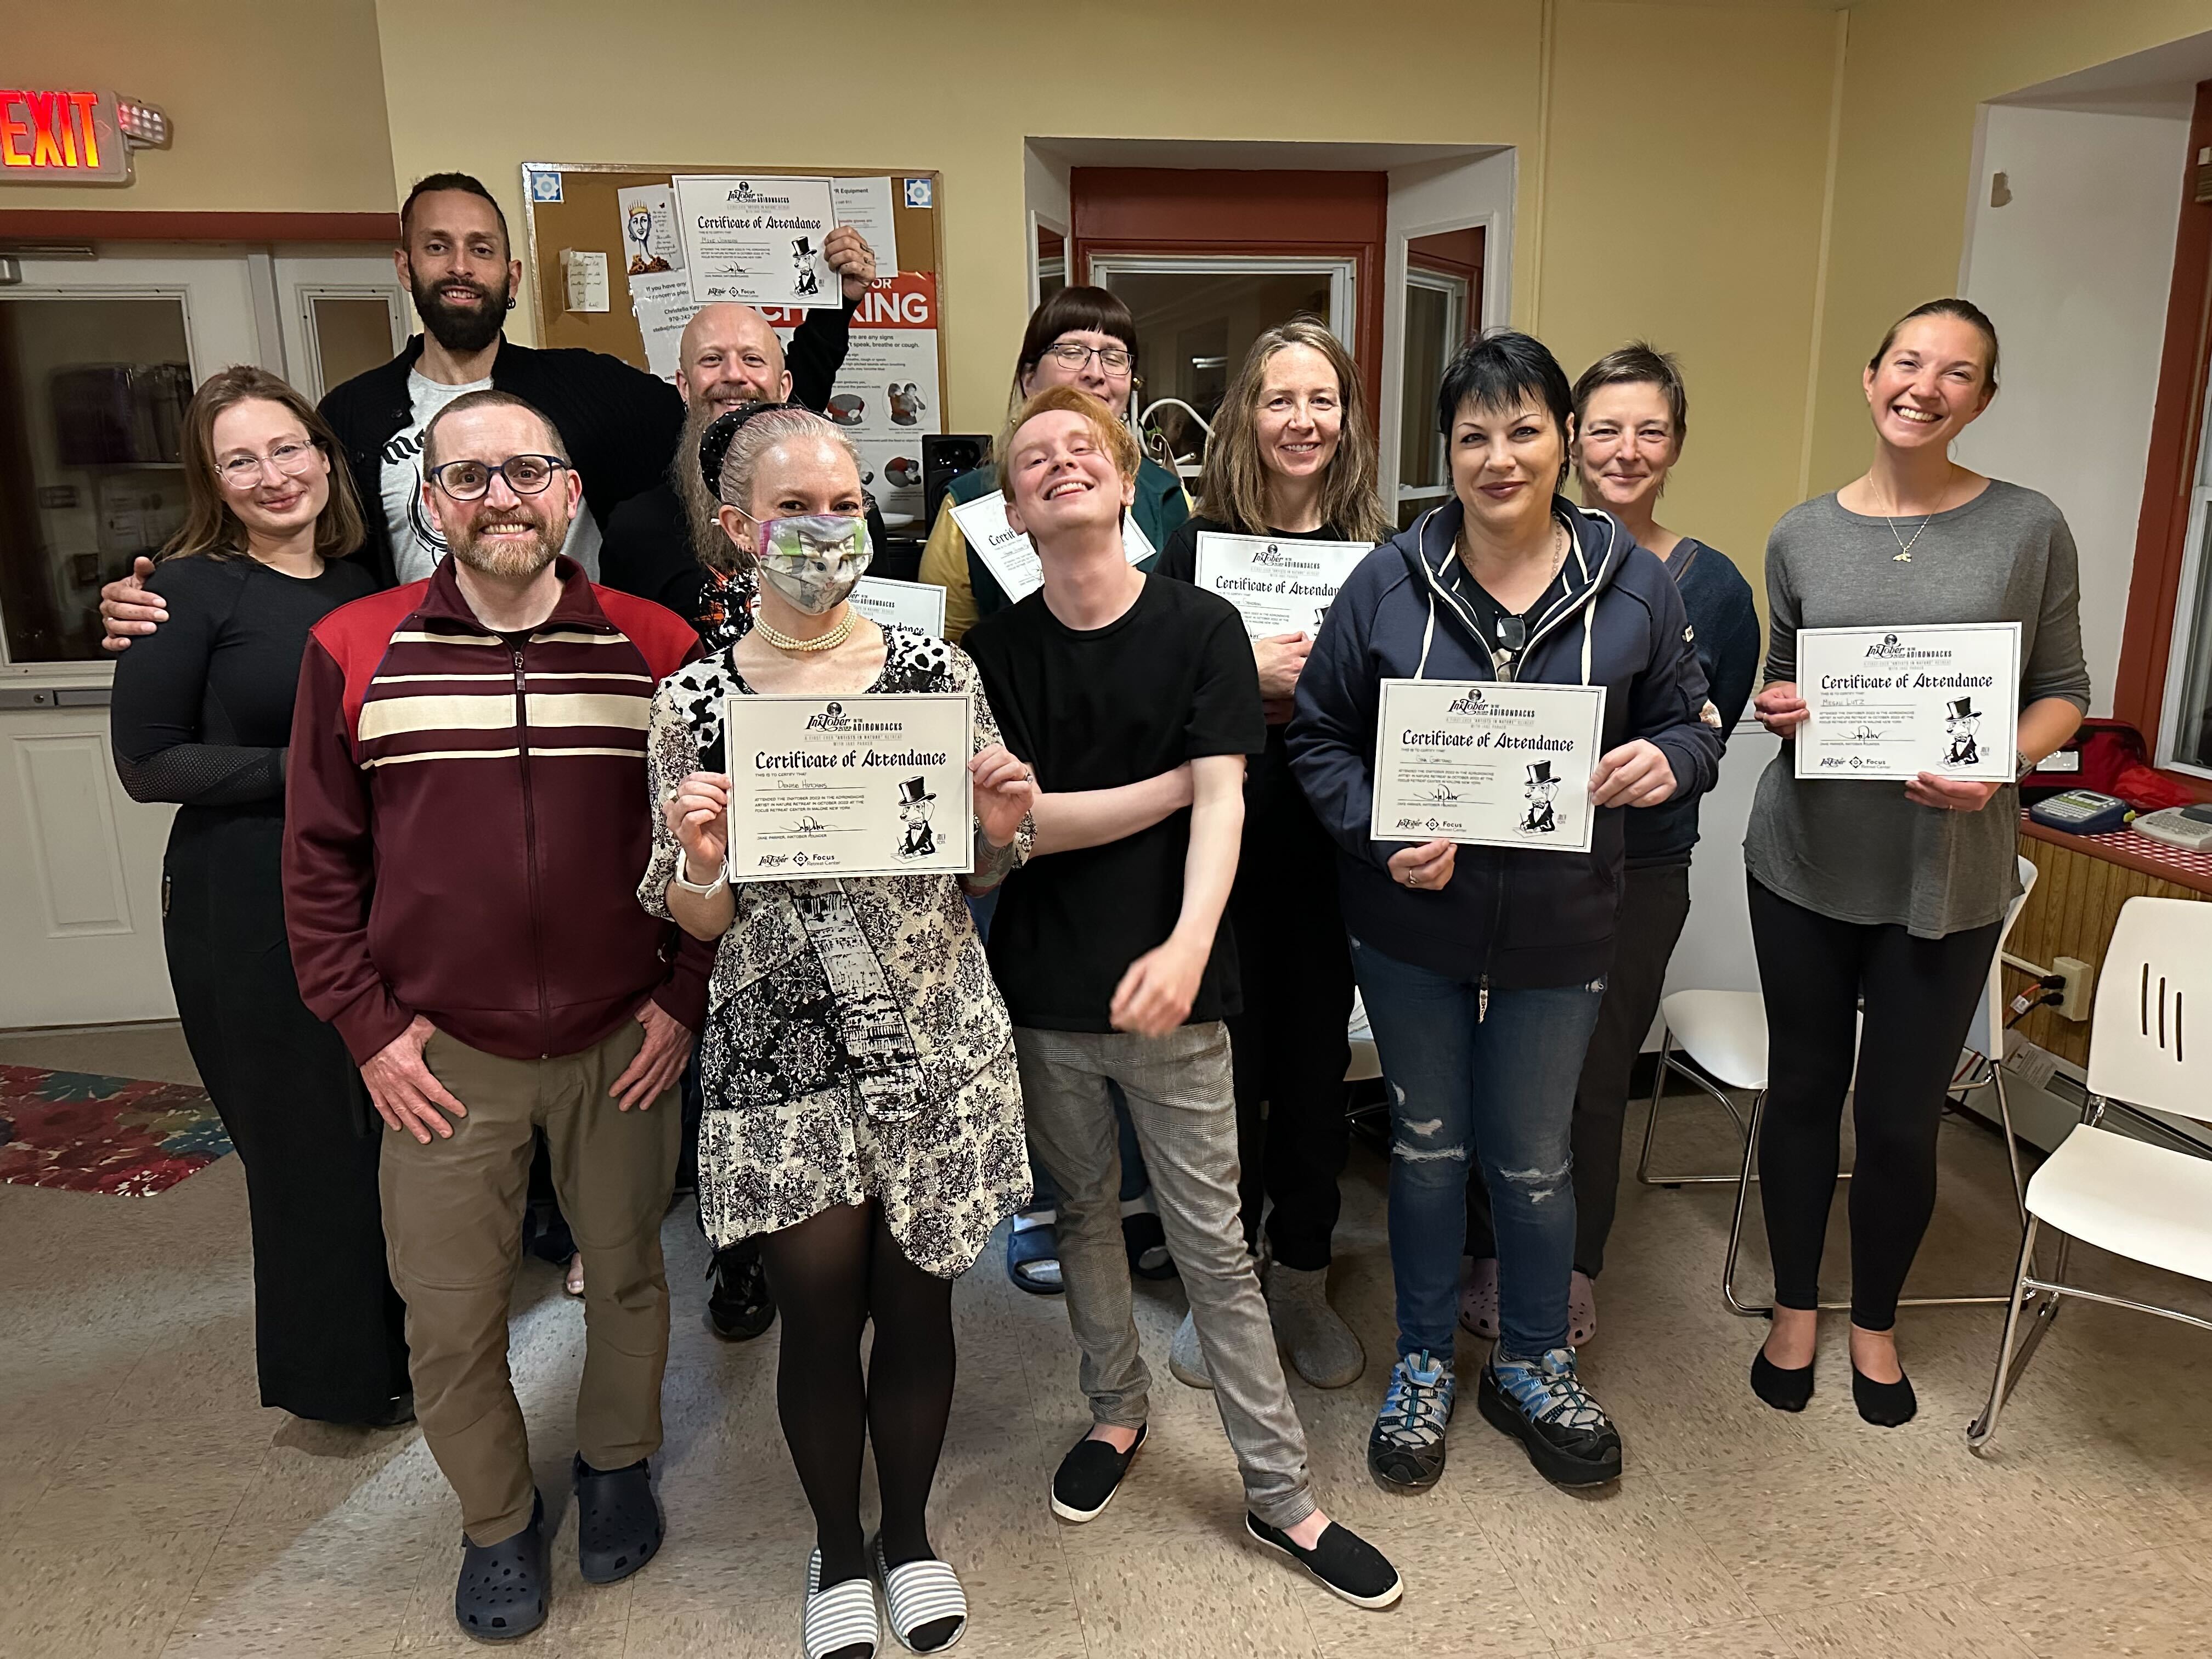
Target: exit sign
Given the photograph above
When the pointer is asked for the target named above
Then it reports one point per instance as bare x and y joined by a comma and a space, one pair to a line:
61, 138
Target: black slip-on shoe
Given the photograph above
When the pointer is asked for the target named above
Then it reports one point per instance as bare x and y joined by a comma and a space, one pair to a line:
505, 1587
1089, 1476
739, 1306
1345, 1564
618, 1525
1785, 1388
1884, 1405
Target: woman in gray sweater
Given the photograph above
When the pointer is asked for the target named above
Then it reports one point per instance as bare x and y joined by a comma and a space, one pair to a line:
1867, 889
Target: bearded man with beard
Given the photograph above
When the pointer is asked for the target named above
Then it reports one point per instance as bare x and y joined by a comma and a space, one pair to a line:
464, 835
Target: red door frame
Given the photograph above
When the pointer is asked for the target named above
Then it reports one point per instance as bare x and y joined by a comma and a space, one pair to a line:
2170, 473
1332, 216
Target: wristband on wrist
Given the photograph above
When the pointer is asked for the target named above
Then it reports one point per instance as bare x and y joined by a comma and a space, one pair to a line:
706, 890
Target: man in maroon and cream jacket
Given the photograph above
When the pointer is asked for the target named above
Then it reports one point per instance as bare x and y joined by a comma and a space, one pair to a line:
467, 817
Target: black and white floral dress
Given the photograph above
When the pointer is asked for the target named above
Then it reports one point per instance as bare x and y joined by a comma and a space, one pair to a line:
856, 1047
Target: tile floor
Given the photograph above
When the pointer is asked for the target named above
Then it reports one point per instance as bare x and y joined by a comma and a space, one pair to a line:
149, 1507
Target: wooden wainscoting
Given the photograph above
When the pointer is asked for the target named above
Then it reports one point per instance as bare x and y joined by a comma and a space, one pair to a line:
2077, 898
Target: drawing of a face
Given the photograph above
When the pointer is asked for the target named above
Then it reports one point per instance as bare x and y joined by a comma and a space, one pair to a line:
640, 227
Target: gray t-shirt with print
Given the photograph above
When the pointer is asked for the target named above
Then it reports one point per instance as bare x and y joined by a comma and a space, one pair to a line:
1859, 850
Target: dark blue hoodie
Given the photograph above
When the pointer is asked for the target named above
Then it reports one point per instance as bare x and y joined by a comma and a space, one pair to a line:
1522, 919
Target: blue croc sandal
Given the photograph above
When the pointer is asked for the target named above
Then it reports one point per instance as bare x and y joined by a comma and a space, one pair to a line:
504, 1587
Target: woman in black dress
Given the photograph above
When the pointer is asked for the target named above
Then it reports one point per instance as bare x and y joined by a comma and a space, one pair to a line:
202, 716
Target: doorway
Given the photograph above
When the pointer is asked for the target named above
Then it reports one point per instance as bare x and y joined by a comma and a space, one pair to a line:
98, 356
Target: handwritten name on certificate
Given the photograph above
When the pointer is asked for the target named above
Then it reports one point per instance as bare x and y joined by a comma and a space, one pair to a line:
1009, 555
885, 599
1486, 764
871, 785
1278, 585
1894, 703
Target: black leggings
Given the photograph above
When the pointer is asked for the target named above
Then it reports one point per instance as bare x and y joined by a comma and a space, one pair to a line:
1919, 998
832, 1274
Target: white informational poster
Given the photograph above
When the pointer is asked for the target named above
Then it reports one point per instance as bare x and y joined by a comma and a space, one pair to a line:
1279, 585
1008, 554
886, 600
1486, 764
663, 306
886, 395
865, 204
1894, 703
870, 784
652, 242
758, 241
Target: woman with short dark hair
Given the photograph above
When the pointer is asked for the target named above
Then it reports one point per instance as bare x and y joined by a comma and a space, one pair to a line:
1865, 894
203, 716
1631, 414
1483, 968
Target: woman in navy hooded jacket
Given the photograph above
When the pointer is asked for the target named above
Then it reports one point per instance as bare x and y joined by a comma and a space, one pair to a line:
1483, 968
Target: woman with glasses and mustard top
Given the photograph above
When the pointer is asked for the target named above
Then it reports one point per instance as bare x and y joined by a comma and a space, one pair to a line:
203, 716
1893, 893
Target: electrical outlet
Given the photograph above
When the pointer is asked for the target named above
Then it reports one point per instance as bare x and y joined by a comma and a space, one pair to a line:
2081, 980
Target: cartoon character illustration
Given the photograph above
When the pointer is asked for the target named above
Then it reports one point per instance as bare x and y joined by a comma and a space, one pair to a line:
638, 230
1540, 789
804, 281
907, 405
1960, 724
848, 410
916, 805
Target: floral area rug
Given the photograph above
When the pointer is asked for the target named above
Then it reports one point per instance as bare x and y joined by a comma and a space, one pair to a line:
88, 1133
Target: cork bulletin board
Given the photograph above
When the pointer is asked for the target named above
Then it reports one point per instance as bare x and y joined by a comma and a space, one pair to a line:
587, 216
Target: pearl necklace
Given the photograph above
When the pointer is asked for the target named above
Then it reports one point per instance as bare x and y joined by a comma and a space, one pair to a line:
828, 641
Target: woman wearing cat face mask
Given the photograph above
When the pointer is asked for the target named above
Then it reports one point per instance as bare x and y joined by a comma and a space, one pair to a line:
872, 1168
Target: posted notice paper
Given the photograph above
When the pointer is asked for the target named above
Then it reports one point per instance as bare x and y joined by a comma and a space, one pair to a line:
1486, 764
758, 240
869, 785
1279, 585
1009, 555
663, 306
1894, 703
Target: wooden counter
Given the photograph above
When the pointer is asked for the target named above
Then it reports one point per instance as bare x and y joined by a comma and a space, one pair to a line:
2082, 882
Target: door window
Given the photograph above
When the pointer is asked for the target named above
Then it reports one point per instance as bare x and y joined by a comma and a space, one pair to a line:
93, 392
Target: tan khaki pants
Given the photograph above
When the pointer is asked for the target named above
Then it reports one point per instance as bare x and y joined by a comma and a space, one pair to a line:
453, 1224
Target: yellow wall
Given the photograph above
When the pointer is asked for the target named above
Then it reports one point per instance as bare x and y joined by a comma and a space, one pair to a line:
276, 109
1916, 72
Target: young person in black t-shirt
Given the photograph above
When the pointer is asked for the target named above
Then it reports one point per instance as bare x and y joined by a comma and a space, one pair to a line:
1135, 701
1293, 457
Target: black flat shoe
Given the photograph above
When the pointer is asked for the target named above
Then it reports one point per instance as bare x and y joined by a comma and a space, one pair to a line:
1345, 1564
1884, 1405
1089, 1476
504, 1587
1784, 1390
619, 1526
739, 1306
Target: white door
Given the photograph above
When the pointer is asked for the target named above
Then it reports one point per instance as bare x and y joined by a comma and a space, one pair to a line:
97, 361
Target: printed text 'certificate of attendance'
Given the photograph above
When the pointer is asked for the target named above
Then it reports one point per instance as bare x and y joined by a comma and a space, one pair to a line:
1487, 765
861, 786
1894, 703
1278, 585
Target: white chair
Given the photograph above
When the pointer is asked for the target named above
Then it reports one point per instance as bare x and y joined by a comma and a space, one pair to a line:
1366, 1064
2150, 1046
1724, 1032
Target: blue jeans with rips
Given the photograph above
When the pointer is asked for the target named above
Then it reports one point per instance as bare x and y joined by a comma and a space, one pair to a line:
1499, 1082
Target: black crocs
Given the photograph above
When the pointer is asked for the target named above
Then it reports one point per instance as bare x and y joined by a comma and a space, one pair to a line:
619, 1526
504, 1587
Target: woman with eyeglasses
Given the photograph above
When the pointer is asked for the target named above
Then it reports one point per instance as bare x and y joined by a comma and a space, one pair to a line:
1083, 337
863, 1112
1079, 336
202, 716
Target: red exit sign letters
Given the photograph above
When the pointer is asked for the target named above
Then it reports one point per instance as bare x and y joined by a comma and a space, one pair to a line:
61, 137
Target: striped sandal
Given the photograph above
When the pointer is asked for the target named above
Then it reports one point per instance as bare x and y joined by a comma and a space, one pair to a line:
843, 1616
921, 1593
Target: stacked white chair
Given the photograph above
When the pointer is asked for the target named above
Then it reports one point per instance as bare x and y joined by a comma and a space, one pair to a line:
2150, 1050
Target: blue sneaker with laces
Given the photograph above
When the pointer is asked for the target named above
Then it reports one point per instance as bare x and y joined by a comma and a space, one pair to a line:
1406, 1451
1542, 1403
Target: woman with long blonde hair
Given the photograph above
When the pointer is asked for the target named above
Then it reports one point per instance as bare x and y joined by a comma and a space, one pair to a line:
1293, 457
203, 716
